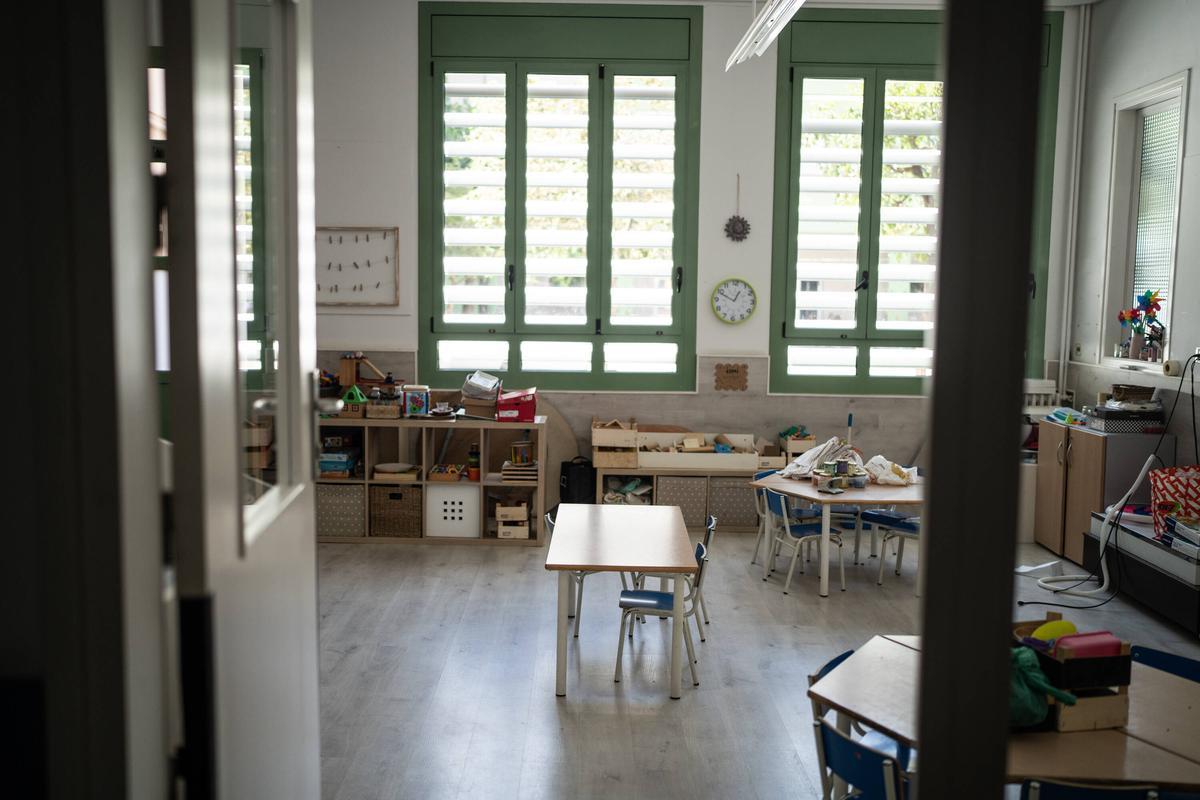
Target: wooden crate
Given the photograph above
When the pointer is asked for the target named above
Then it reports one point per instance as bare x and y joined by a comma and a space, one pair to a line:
514, 513
620, 457
793, 447
1093, 711
383, 411
700, 461
506, 529
614, 433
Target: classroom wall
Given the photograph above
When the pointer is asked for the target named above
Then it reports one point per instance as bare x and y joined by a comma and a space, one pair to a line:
1133, 43
366, 75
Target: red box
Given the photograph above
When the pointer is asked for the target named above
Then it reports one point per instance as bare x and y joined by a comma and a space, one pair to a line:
519, 405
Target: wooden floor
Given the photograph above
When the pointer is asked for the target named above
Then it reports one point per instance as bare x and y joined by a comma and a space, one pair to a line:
437, 676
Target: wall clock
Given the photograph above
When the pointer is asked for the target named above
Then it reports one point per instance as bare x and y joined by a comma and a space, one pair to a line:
734, 301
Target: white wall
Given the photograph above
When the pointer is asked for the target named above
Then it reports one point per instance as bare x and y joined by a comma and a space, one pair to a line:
1134, 43
366, 75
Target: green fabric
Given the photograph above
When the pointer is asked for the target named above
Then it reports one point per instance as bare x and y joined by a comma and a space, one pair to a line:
1028, 688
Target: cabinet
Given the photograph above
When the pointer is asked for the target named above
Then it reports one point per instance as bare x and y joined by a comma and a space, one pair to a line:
367, 504
1081, 471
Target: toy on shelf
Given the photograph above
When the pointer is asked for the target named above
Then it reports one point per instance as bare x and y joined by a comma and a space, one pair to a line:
447, 472
796, 440
350, 373
354, 403
416, 400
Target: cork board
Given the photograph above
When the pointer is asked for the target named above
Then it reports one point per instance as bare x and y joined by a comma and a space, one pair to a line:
730, 377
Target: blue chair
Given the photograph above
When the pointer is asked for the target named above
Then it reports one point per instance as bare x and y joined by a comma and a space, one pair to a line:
795, 535
874, 775
643, 602
894, 525
873, 739
1054, 790
1168, 662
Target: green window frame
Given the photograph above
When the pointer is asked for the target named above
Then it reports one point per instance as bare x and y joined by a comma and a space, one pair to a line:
257, 328
875, 47
603, 44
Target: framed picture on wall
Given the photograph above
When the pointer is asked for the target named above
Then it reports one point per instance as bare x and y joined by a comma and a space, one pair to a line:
358, 266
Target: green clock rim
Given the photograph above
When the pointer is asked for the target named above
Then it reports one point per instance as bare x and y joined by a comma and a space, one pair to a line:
713, 300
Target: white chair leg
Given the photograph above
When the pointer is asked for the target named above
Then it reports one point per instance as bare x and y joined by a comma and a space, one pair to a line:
703, 606
795, 554
899, 553
579, 605
857, 537
917, 585
571, 596
874, 541
759, 539
882, 559
691, 651
624, 585
621, 646
842, 565
699, 627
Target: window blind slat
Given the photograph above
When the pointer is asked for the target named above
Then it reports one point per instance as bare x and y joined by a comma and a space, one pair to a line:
474, 175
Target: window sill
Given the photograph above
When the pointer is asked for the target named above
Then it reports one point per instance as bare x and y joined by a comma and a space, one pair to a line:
1133, 365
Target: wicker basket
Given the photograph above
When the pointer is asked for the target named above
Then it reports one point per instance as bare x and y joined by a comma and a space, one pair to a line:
396, 511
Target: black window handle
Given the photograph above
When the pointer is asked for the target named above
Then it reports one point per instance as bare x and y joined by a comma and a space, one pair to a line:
678, 280
510, 277
864, 282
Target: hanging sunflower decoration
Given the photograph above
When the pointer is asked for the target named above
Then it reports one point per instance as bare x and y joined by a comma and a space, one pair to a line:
737, 228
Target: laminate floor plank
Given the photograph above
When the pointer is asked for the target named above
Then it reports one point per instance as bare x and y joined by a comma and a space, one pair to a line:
437, 675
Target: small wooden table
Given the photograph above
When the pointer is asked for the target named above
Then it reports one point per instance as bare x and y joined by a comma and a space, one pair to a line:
599, 538
878, 687
872, 495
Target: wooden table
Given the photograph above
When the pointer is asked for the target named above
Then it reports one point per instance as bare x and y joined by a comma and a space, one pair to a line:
1160, 745
872, 495
599, 538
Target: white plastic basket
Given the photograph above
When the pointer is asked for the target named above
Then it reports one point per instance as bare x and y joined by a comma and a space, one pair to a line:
453, 511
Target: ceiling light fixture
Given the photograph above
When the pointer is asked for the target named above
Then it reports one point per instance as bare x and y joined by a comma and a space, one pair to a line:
765, 28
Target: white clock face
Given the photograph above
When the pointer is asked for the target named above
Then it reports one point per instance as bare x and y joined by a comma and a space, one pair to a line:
734, 300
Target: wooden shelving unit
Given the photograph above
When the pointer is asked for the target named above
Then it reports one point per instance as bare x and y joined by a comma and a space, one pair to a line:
739, 523
421, 441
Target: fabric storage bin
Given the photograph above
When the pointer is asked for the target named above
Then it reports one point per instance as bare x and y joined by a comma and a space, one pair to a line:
396, 511
453, 510
340, 510
690, 494
731, 501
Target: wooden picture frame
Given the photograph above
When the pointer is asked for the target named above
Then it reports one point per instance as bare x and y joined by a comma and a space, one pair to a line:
371, 256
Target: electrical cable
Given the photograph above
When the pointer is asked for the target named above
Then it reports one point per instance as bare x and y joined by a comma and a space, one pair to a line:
1112, 520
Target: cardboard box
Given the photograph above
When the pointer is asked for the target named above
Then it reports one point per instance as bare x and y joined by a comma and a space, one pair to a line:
519, 405
479, 408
